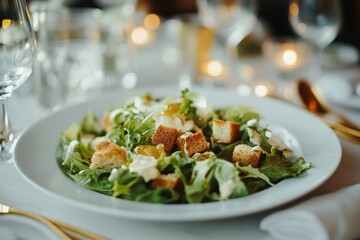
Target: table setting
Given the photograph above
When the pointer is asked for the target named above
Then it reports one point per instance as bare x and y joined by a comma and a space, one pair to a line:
64, 68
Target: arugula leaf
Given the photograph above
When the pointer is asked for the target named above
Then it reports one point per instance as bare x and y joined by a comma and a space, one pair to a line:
132, 129
186, 107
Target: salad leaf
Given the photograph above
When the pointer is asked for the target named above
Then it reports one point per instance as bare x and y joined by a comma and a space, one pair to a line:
200, 184
127, 184
240, 114
251, 172
214, 179
132, 129
72, 133
90, 124
160, 195
75, 157
94, 179
186, 106
277, 168
228, 179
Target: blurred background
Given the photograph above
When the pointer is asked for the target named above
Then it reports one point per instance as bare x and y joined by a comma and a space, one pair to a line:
272, 13
240, 45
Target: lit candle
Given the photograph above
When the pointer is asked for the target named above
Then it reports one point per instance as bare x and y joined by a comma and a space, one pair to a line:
213, 68
139, 35
285, 55
288, 58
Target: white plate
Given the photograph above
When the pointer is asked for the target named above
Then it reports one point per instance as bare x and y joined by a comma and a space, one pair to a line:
35, 159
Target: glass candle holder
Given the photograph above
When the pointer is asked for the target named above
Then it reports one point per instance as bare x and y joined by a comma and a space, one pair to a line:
286, 55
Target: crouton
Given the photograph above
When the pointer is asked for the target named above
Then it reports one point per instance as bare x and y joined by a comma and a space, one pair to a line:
246, 155
166, 136
108, 155
225, 131
171, 180
192, 143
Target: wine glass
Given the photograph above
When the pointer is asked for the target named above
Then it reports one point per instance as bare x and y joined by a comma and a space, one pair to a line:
230, 19
17, 58
318, 22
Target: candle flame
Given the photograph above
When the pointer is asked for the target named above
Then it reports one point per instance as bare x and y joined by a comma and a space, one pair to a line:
289, 57
139, 35
214, 68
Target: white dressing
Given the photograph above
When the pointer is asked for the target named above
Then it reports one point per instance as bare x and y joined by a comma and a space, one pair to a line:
254, 136
145, 166
174, 122
226, 189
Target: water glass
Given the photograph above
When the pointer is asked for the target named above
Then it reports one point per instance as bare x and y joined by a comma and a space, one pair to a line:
70, 58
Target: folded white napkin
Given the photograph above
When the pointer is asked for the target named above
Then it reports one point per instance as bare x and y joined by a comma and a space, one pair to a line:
331, 216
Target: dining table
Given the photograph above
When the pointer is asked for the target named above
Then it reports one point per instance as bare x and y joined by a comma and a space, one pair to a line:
17, 192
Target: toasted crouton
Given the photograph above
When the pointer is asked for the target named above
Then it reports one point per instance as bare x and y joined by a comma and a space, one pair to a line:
171, 180
166, 136
193, 143
246, 155
108, 155
225, 131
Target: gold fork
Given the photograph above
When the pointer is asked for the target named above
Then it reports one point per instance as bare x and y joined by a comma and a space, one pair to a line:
61, 229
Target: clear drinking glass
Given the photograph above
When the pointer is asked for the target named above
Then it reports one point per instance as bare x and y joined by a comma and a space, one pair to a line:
230, 19
17, 58
318, 22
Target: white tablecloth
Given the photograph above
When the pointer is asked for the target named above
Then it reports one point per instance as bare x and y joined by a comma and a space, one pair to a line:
18, 193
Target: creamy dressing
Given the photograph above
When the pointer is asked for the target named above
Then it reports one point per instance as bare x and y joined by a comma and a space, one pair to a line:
254, 136
113, 175
174, 122
202, 167
251, 122
71, 147
226, 189
145, 166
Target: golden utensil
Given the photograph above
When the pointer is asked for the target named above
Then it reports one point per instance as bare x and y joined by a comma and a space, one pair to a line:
61, 229
314, 100
340, 129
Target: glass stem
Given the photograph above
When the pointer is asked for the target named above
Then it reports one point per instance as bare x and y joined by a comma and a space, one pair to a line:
6, 134
315, 64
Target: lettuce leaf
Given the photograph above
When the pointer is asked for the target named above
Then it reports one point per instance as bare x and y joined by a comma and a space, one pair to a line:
94, 179
277, 168
75, 155
90, 124
214, 179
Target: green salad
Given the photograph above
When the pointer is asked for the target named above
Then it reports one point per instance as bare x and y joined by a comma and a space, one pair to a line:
175, 150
